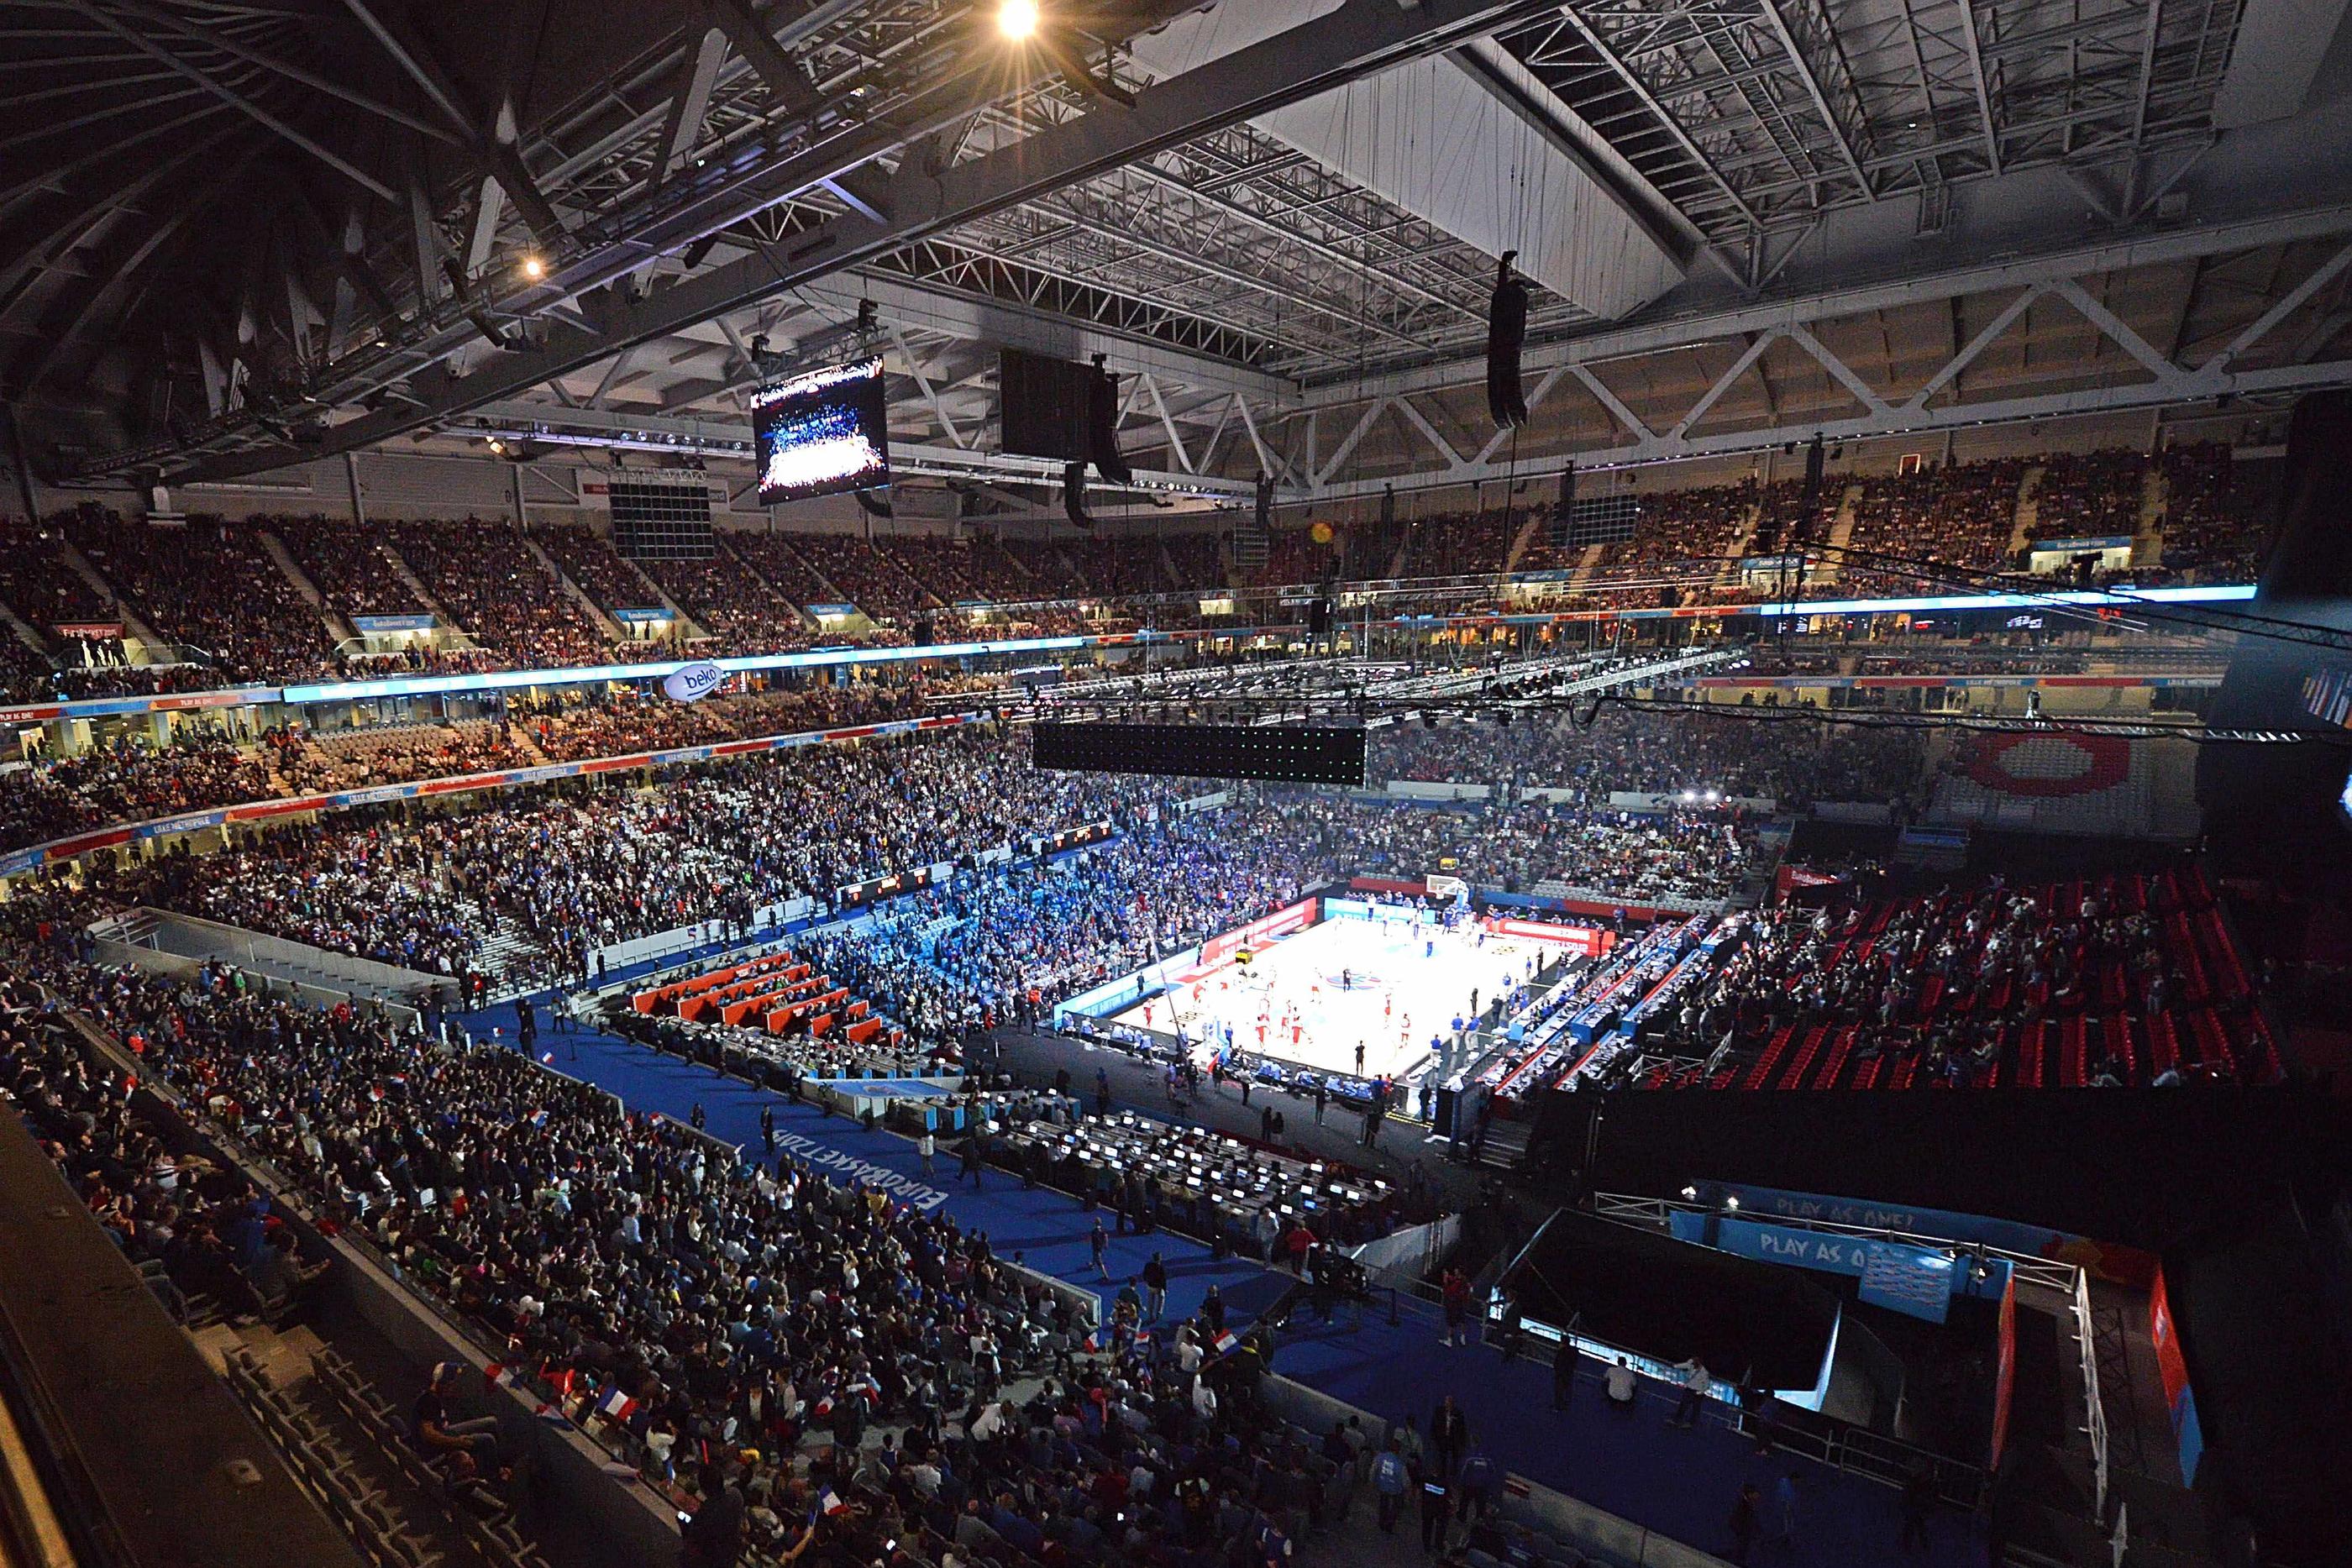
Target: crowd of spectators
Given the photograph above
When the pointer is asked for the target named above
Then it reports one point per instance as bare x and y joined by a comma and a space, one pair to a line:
1952, 986
1046, 568
2090, 495
773, 558
200, 1235
1960, 514
588, 558
212, 587
1793, 761
730, 603
348, 566
2213, 522
1114, 565
1673, 527
38, 583
394, 754
560, 875
570, 873
865, 576
1462, 544
52, 798
742, 1309
485, 575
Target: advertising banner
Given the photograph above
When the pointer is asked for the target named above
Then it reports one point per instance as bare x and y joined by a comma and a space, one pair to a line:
419, 621
1916, 1281
874, 890
1281, 923
2123, 1265
1076, 838
1577, 938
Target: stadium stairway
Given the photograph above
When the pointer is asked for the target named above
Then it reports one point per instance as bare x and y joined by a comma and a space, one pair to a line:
398, 1515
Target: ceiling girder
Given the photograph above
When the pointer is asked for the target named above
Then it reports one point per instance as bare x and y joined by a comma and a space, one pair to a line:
2169, 382
1361, 37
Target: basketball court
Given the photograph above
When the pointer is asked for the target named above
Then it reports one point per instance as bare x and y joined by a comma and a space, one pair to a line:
1385, 986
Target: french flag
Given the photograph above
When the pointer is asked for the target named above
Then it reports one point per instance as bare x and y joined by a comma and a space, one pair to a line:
496, 1376
615, 1405
1093, 1341
1227, 1342
829, 1503
552, 1415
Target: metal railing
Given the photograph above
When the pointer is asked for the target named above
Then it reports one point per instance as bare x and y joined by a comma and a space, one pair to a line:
2071, 1283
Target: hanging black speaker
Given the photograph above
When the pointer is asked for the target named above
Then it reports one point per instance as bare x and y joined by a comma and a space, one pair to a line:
1811, 507
1074, 496
1102, 427
873, 504
1507, 331
1388, 506
1566, 493
1266, 503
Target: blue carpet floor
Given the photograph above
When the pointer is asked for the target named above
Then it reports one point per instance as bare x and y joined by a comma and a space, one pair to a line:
1632, 1464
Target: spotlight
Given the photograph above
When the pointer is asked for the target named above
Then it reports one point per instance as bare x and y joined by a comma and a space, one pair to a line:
1016, 19
1713, 796
497, 446
1731, 1202
533, 269
1690, 1194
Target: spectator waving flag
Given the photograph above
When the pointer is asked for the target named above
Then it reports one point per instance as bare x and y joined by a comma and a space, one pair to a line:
615, 1405
829, 1503
1227, 1342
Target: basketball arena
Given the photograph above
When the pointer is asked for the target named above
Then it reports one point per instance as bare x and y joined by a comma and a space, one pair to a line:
1176, 783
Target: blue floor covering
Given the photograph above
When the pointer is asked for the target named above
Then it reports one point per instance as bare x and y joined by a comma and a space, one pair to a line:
1678, 1483
1632, 1464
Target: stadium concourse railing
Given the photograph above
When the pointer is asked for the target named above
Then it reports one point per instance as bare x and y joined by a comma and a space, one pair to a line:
19, 862
2067, 1282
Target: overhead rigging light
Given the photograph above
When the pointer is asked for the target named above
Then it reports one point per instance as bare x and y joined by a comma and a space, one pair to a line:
1016, 19
533, 267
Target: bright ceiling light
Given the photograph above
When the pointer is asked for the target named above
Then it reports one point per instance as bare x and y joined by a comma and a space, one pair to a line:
533, 269
1016, 19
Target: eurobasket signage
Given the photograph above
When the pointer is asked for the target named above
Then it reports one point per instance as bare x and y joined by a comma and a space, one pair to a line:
94, 631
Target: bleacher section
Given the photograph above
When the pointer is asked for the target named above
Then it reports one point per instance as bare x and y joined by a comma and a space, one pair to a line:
2126, 980
730, 603
394, 754
348, 567
484, 574
213, 588
587, 559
